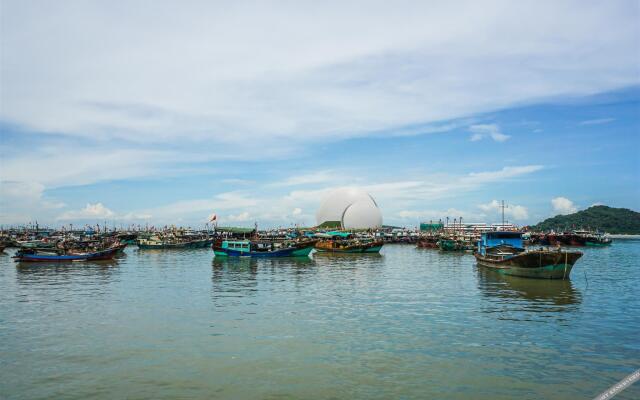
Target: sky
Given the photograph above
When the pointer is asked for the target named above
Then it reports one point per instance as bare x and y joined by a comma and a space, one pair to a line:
164, 112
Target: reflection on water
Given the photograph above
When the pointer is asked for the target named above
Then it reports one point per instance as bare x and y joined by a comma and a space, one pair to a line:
238, 276
348, 260
48, 272
234, 277
512, 293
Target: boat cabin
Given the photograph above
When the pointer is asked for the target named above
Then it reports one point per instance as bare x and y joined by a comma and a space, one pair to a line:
335, 235
495, 239
246, 246
238, 245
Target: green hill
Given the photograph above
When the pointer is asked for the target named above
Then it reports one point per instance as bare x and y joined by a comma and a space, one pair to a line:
603, 218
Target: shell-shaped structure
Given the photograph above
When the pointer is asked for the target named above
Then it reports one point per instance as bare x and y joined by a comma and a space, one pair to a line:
349, 208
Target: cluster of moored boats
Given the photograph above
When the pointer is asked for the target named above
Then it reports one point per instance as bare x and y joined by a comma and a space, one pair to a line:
465, 240
65, 249
573, 238
81, 246
507, 252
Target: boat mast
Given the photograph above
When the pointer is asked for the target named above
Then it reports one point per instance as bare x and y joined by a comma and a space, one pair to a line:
503, 206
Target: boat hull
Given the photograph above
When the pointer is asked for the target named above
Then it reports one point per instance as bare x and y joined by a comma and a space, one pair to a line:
450, 245
534, 264
107, 254
354, 250
597, 244
427, 244
196, 244
289, 252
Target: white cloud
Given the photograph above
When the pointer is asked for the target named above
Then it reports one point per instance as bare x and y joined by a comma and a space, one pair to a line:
511, 211
99, 211
131, 216
504, 173
227, 201
241, 217
90, 211
302, 72
309, 178
598, 121
261, 203
562, 205
490, 131
21, 202
437, 215
59, 166
276, 79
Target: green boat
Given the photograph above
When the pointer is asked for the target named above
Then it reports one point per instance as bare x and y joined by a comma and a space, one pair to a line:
449, 245
262, 248
598, 240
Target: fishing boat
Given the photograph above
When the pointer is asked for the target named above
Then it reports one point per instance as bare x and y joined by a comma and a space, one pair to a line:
579, 238
32, 244
263, 248
345, 242
128, 238
456, 243
450, 244
428, 242
157, 242
336, 246
59, 255
597, 239
504, 252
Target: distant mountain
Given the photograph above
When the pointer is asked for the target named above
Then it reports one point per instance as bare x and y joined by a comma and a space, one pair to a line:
603, 218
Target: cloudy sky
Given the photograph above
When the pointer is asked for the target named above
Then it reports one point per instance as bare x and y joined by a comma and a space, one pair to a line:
164, 111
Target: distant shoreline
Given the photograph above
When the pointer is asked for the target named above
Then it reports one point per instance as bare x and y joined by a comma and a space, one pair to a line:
621, 236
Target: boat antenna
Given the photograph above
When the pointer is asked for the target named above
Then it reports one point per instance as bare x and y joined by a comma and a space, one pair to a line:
503, 206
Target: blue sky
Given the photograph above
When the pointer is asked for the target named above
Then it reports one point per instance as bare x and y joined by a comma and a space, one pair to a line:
256, 111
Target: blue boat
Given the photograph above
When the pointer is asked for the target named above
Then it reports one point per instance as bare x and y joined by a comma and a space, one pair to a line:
255, 248
504, 253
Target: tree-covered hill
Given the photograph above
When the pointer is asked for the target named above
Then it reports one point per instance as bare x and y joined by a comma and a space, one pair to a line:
603, 218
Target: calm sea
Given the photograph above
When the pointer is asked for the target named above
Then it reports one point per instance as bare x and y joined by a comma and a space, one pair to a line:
409, 323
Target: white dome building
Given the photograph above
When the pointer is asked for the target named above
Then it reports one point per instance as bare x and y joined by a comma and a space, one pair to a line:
349, 208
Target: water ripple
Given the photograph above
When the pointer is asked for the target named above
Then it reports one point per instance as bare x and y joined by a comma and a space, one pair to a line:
409, 323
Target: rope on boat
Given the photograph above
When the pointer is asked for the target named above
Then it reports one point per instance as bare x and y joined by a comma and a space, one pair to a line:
566, 254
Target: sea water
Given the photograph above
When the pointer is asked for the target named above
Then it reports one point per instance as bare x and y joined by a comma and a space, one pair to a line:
408, 323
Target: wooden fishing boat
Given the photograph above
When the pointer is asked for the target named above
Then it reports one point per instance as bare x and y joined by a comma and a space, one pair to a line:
575, 238
349, 246
156, 242
504, 253
199, 244
32, 244
428, 242
58, 255
447, 244
597, 239
263, 248
128, 238
456, 244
